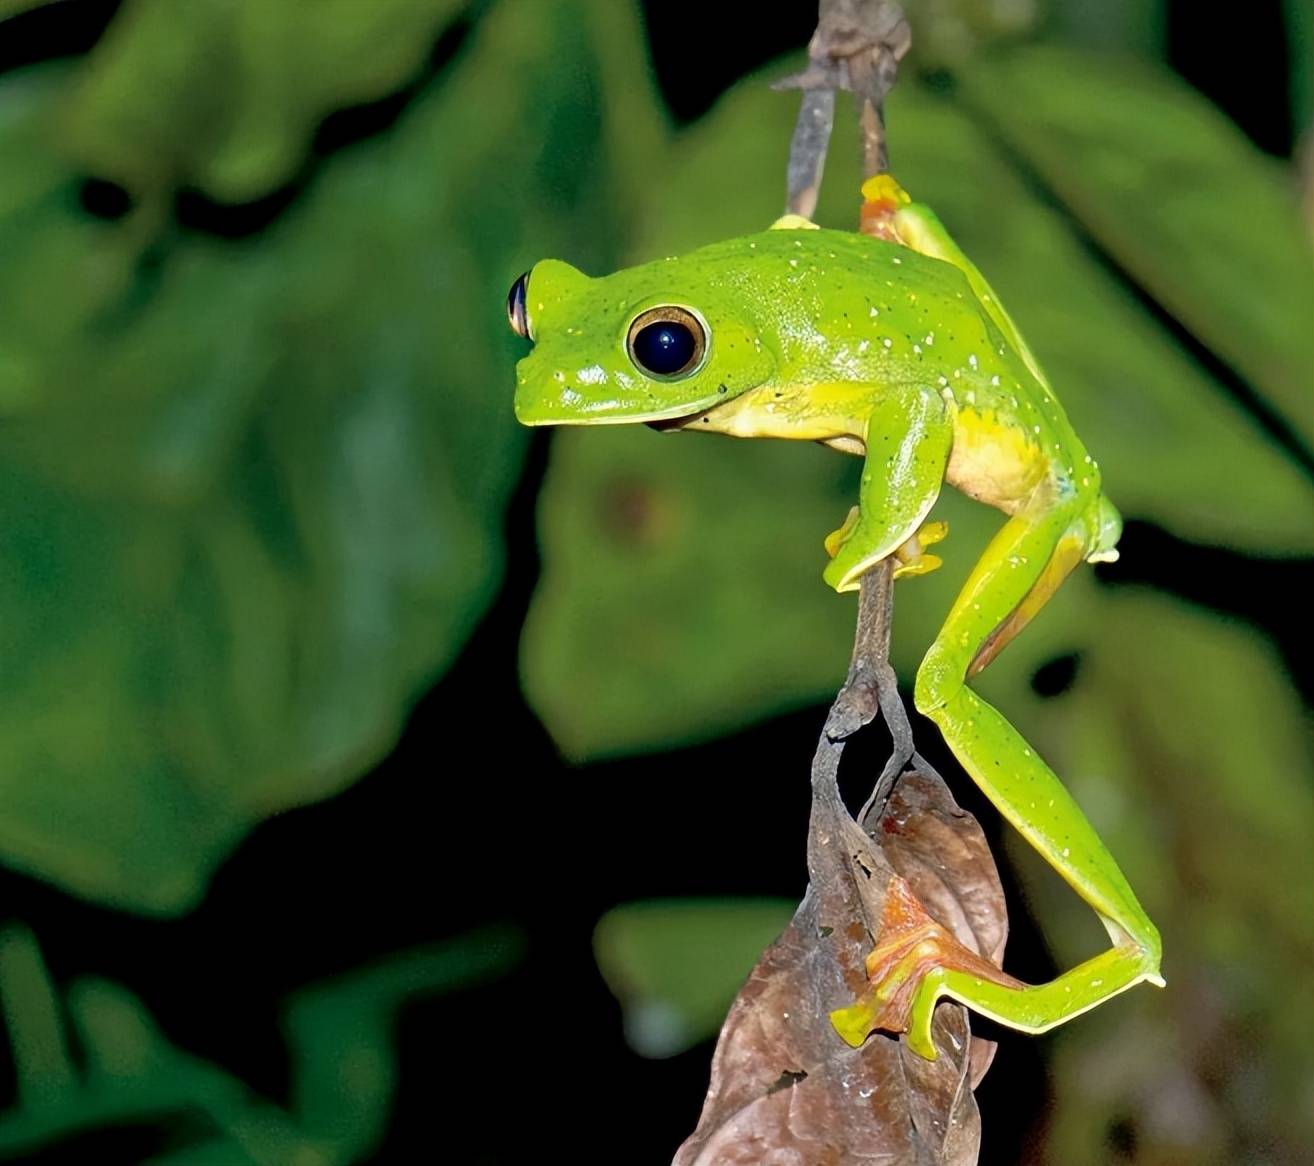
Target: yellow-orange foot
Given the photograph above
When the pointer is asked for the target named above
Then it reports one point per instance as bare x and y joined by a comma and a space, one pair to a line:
910, 944
912, 556
882, 198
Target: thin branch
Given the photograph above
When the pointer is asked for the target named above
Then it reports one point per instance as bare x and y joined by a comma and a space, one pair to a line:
857, 46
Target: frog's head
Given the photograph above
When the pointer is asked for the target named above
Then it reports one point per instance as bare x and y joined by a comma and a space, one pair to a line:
659, 343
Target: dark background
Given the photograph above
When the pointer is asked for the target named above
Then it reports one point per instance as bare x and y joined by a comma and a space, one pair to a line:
404, 855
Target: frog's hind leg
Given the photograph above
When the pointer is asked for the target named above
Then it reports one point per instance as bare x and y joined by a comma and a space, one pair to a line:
1020, 569
1068, 552
1093, 537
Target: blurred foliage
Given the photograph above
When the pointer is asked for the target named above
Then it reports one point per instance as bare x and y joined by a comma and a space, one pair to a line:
675, 966
256, 452
252, 491
950, 32
1187, 746
226, 97
115, 1067
1178, 198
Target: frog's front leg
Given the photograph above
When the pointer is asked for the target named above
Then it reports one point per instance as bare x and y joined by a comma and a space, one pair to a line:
907, 435
1022, 566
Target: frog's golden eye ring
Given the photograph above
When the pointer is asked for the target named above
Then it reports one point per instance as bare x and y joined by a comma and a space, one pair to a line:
667, 342
515, 307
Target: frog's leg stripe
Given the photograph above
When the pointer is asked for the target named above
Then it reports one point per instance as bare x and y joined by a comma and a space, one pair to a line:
908, 437
1070, 551
1027, 793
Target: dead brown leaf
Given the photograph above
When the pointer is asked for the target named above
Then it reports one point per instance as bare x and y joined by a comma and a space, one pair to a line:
785, 1089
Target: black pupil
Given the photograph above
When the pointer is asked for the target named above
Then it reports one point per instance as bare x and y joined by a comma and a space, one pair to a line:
664, 347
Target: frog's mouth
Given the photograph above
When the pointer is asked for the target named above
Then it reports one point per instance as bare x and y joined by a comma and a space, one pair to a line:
670, 423
703, 416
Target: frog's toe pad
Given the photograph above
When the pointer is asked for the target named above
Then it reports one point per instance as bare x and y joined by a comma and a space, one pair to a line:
930, 533
837, 538
922, 565
794, 223
912, 556
882, 188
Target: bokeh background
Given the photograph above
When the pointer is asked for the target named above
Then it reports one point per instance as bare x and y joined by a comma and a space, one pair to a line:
377, 778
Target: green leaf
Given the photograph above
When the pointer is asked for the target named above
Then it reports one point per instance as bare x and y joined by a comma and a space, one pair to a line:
252, 492
341, 1043
1189, 750
680, 593
341, 1032
10, 8
1299, 21
226, 97
676, 965
679, 600
1202, 219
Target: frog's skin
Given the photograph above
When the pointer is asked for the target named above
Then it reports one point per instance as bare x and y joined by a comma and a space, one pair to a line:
896, 349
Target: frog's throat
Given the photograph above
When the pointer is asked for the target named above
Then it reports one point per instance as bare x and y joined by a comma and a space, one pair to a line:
814, 412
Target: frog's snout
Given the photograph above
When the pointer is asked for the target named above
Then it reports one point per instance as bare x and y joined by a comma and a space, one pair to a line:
550, 391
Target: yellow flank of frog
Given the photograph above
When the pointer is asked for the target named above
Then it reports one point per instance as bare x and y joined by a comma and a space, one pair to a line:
993, 461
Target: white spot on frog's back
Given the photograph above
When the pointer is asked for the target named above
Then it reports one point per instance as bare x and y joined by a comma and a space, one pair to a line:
593, 374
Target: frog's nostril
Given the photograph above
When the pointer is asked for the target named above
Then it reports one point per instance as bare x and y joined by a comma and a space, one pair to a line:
515, 307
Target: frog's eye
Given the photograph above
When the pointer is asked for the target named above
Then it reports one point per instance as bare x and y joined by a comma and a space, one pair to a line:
667, 342
515, 307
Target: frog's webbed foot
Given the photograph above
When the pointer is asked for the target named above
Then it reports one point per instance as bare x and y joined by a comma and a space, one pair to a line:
838, 537
909, 948
910, 555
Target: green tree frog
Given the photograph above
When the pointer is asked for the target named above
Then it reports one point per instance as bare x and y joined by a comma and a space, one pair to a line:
888, 344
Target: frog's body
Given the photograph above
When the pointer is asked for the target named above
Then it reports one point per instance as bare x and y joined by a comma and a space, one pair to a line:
1009, 434
898, 350
832, 333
